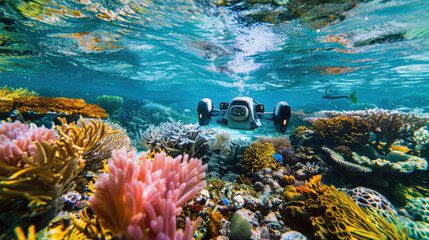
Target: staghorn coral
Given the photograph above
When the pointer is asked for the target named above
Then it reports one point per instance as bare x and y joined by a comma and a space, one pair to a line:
44, 105
344, 219
175, 139
347, 131
135, 201
257, 157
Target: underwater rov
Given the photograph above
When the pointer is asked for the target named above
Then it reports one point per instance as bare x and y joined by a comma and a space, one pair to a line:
244, 113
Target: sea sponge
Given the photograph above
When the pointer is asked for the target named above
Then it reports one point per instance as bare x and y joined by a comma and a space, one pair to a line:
257, 157
347, 131
109, 103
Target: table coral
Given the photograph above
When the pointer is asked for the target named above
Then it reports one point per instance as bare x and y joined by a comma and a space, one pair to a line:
257, 157
43, 105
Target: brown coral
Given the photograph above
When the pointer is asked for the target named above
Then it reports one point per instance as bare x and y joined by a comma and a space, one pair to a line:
278, 142
344, 219
258, 156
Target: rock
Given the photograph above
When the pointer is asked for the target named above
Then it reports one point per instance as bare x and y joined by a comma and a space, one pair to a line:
240, 228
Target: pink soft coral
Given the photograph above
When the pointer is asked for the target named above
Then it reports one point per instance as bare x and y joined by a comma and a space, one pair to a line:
16, 139
143, 200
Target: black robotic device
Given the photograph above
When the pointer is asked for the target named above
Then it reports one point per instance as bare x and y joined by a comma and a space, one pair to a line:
244, 113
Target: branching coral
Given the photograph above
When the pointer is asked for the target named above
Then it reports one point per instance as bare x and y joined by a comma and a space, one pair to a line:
91, 136
142, 201
176, 138
8, 93
43, 105
344, 219
339, 131
257, 157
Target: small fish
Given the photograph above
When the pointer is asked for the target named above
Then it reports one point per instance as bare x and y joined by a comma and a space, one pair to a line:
330, 95
278, 157
226, 202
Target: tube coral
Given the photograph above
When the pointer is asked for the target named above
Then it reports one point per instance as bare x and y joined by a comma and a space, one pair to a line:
143, 200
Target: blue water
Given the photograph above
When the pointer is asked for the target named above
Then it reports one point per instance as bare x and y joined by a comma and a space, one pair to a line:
182, 51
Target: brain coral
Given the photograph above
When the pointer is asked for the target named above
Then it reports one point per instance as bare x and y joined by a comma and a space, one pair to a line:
258, 156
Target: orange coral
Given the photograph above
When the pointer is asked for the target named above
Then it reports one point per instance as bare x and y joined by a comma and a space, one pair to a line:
44, 105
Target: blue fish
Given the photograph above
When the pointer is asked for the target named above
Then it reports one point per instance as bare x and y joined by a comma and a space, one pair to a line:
226, 202
278, 157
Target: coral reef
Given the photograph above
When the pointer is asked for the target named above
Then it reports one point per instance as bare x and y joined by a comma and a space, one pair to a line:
176, 139
8, 93
387, 125
342, 131
258, 156
418, 209
355, 167
278, 142
35, 170
368, 198
344, 219
109, 103
140, 200
136, 116
44, 105
394, 161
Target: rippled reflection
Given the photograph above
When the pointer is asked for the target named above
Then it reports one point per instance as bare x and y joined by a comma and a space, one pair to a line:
247, 46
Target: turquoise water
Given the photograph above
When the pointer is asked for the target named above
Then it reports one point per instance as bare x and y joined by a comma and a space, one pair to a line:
182, 51
162, 57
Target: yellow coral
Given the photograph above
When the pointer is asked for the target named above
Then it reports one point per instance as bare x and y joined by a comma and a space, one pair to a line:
344, 219
42, 105
258, 156
8, 93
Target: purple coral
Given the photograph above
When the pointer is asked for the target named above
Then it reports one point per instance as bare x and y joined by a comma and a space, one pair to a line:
143, 200
16, 138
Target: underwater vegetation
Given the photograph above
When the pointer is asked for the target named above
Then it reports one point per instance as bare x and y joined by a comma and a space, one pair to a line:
335, 179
